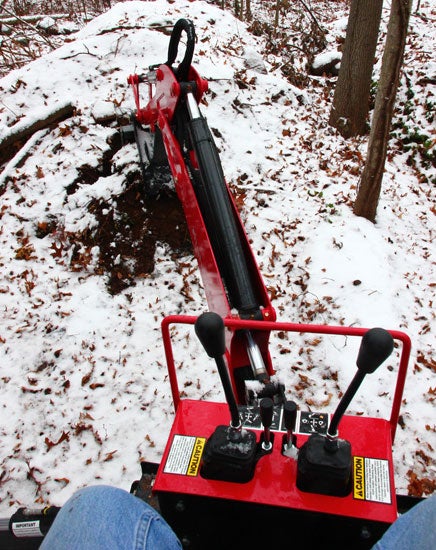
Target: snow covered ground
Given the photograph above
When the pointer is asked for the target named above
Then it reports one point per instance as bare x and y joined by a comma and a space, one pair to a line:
84, 392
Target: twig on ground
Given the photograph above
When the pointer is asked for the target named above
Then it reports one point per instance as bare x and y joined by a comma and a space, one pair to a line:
26, 23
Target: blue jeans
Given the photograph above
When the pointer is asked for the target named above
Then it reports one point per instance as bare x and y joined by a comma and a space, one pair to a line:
416, 529
107, 518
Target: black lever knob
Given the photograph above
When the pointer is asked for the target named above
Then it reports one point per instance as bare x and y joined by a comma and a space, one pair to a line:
376, 346
209, 327
290, 415
290, 418
266, 411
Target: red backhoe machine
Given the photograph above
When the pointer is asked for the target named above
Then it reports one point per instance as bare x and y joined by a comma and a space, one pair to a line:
252, 471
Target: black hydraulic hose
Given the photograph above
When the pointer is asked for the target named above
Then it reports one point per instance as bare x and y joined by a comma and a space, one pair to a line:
214, 201
183, 69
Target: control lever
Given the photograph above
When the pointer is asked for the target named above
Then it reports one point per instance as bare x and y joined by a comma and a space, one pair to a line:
324, 462
290, 417
209, 328
266, 415
376, 346
230, 453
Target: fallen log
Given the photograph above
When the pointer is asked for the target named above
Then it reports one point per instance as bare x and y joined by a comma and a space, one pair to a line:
20, 157
12, 20
16, 136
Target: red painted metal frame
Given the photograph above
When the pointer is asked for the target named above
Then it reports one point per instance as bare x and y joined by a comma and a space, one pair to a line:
274, 482
164, 93
164, 98
237, 324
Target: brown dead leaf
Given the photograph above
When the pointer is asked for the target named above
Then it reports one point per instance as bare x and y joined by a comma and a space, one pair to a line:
64, 437
42, 227
63, 480
25, 252
317, 404
109, 456
96, 385
86, 378
418, 487
64, 131
427, 362
57, 250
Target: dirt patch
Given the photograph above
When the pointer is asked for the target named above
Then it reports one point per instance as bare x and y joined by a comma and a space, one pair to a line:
127, 235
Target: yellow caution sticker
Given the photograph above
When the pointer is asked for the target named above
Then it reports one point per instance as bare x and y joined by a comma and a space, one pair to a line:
371, 479
194, 462
359, 477
185, 455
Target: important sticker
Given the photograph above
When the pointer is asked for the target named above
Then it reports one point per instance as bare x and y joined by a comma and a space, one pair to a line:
371, 479
23, 529
185, 455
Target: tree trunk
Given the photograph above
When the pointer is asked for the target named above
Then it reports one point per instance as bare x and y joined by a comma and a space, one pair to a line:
248, 14
351, 100
239, 8
372, 175
277, 15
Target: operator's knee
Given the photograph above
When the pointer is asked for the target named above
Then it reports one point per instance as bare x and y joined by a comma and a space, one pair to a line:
102, 517
87, 499
414, 529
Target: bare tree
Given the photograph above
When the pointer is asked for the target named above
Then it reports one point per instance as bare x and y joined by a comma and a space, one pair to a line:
351, 100
248, 14
277, 14
238, 6
372, 175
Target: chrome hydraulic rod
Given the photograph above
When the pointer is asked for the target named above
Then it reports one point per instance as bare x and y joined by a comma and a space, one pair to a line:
256, 359
193, 109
